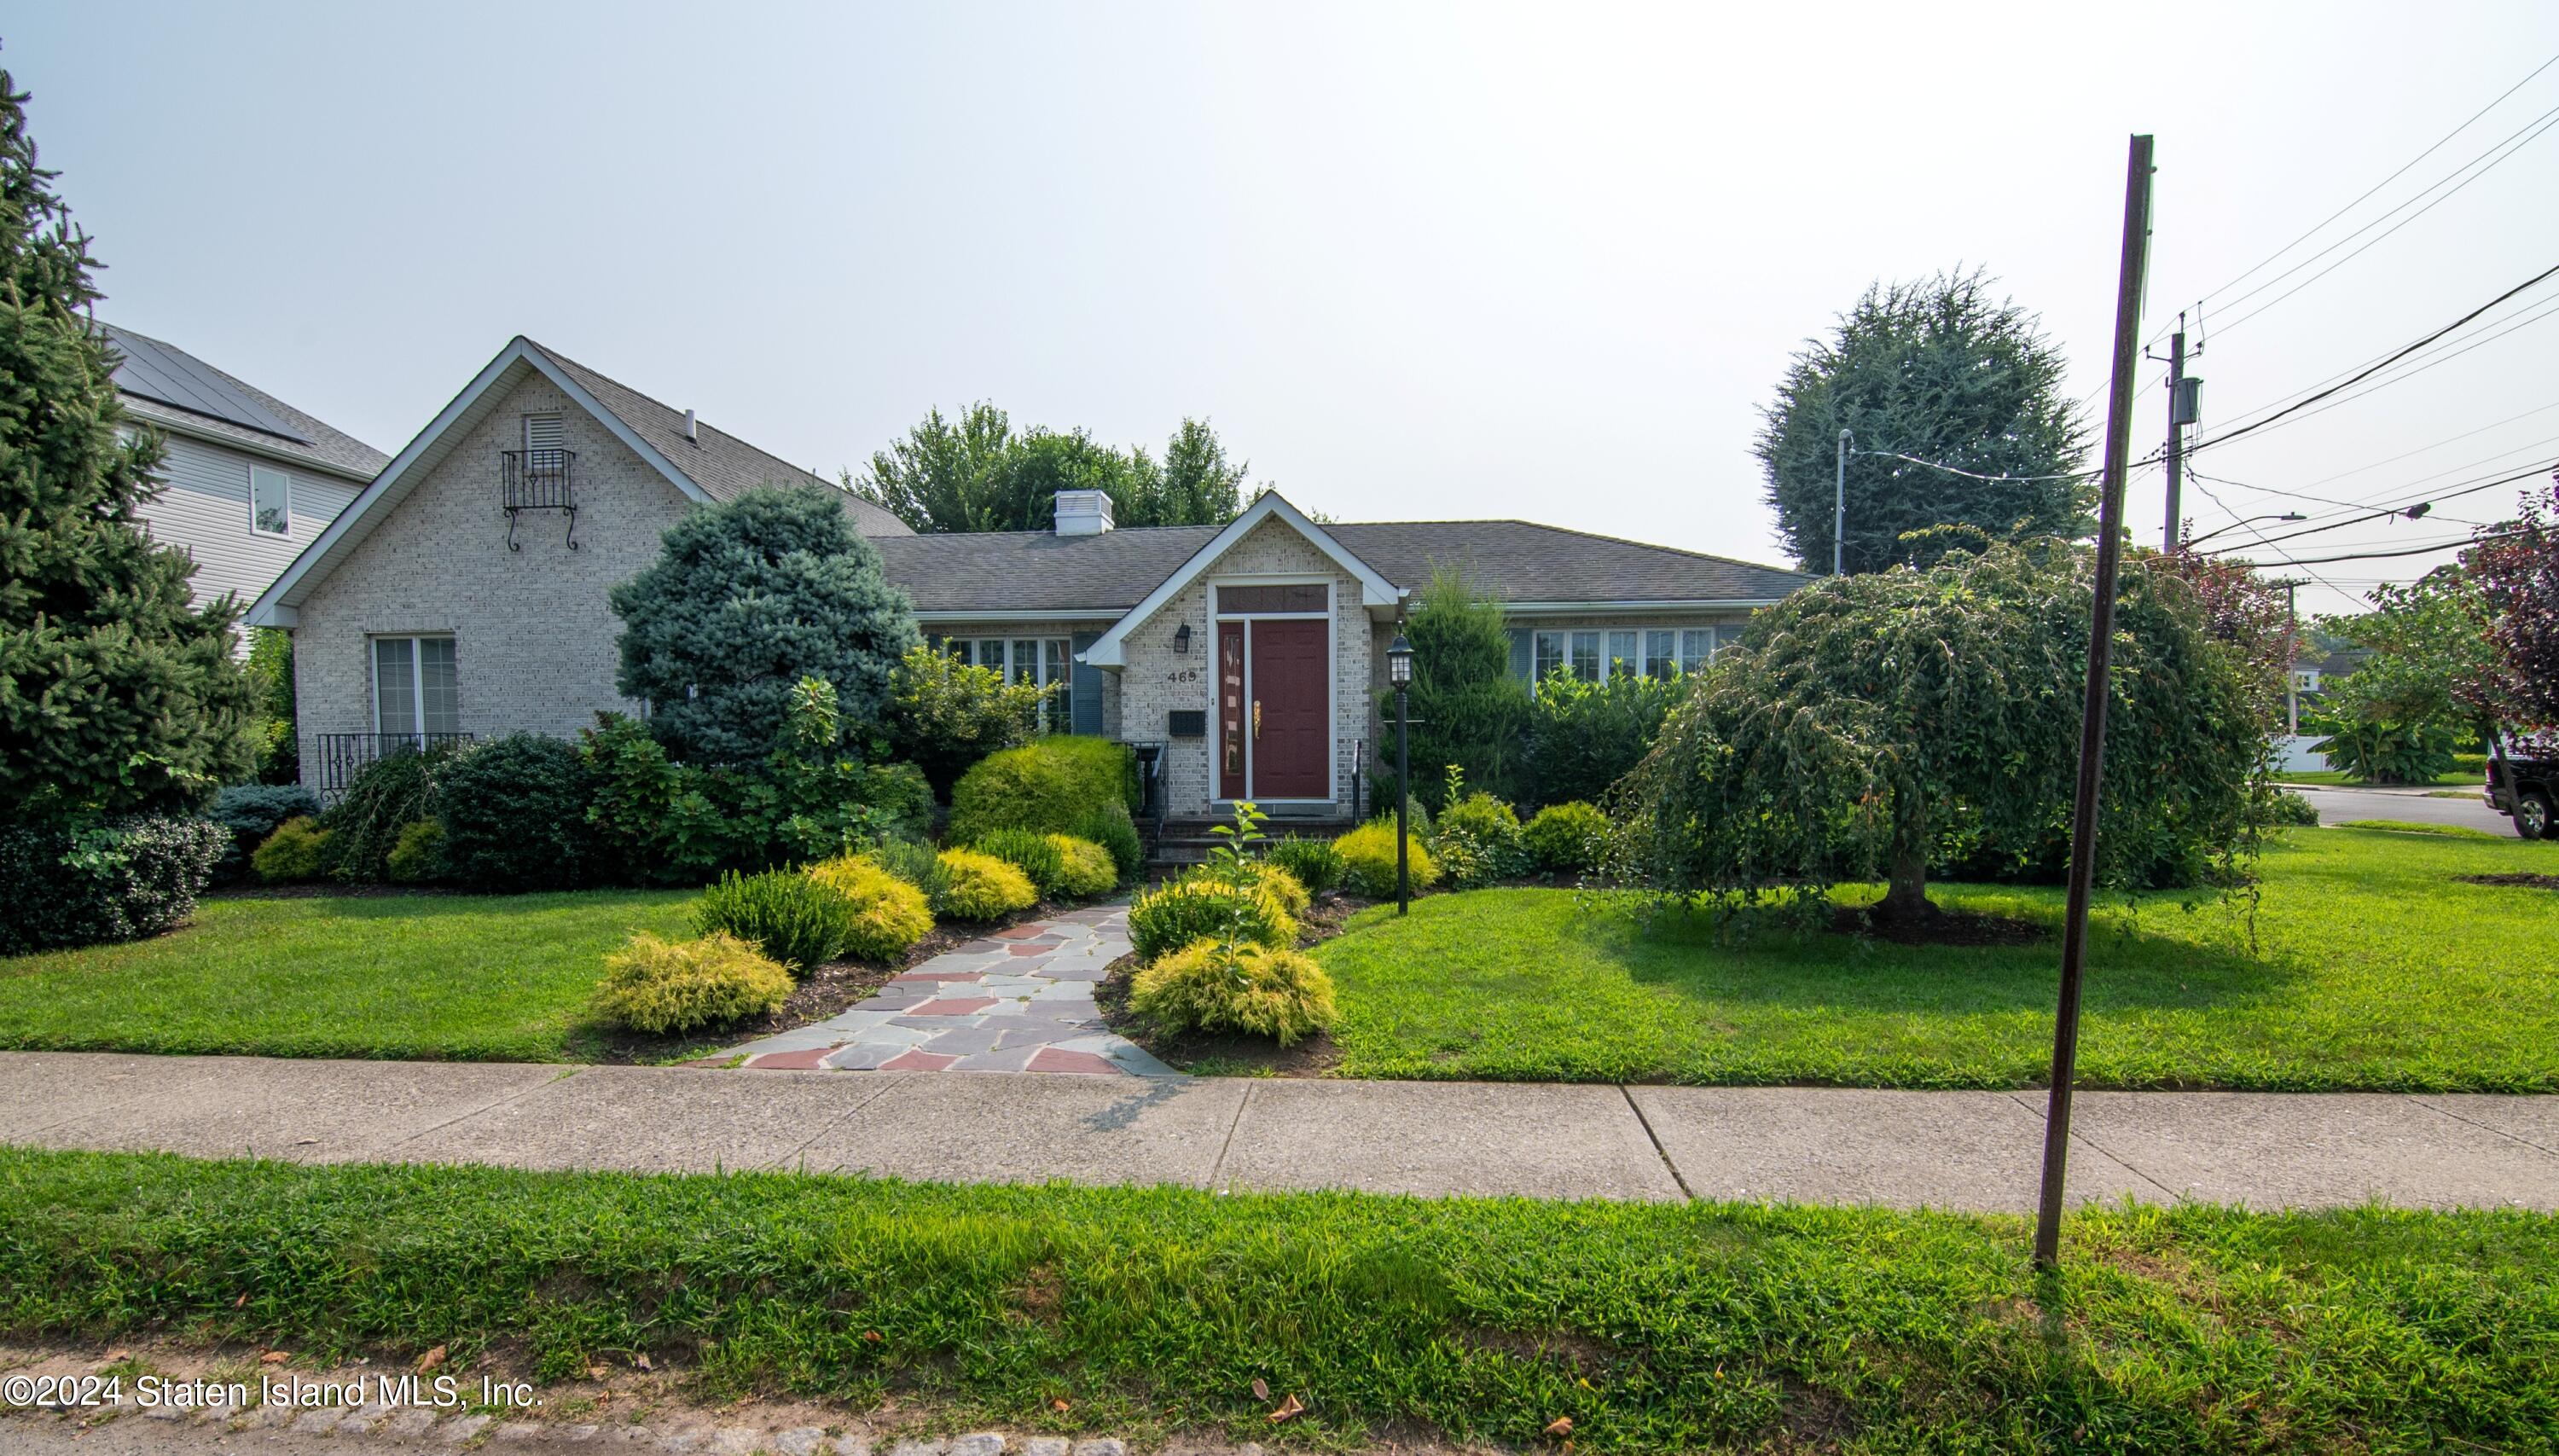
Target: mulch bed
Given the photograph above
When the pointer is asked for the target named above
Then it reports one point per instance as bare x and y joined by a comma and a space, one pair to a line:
1232, 1055
2514, 881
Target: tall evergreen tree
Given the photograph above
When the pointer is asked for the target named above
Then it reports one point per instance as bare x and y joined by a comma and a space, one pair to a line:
746, 598
1938, 371
117, 693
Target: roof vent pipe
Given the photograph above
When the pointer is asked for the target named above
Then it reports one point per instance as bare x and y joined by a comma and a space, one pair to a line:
689, 437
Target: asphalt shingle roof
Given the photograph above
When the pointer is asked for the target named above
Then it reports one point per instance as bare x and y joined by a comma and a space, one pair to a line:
328, 447
724, 466
1034, 572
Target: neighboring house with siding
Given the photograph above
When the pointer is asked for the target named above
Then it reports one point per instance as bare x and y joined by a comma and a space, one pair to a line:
248, 479
464, 592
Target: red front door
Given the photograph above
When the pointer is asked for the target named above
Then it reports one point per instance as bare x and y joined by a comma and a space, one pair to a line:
1290, 713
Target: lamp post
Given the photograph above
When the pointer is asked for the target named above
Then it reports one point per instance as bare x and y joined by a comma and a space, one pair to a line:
1399, 672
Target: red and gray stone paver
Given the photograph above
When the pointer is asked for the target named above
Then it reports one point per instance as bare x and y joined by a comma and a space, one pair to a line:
1017, 1000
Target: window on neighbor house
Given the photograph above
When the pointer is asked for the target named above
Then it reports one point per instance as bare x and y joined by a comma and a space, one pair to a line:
416, 690
270, 501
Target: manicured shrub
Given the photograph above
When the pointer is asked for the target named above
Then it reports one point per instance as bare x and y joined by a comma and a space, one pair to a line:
1197, 907
899, 799
1368, 861
981, 887
1110, 828
389, 793
1085, 869
1026, 850
2284, 806
746, 600
1285, 887
785, 913
919, 865
1583, 736
669, 986
946, 714
251, 811
1262, 990
297, 851
1052, 784
418, 855
1569, 838
514, 814
114, 879
889, 915
1313, 863
1478, 840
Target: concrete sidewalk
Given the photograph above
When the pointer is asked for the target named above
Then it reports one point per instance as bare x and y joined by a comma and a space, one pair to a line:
1974, 1150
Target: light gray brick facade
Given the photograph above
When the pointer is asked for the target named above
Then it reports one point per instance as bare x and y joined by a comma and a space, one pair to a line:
534, 637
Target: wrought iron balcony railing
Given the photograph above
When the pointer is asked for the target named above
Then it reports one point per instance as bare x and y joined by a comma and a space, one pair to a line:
335, 759
538, 480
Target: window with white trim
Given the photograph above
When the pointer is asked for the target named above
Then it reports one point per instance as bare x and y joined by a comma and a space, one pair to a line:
1549, 654
270, 501
1658, 653
416, 690
1036, 661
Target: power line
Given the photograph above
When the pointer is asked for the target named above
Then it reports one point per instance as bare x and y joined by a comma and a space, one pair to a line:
2439, 444
2403, 169
2076, 475
2442, 350
2535, 126
2457, 541
2411, 489
2367, 373
2390, 510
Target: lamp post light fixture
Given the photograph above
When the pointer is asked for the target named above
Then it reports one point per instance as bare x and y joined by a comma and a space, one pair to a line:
1399, 672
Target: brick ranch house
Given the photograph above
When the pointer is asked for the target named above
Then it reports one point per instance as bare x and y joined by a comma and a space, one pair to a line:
463, 593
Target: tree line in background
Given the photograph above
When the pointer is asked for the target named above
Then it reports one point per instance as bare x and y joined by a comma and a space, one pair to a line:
978, 473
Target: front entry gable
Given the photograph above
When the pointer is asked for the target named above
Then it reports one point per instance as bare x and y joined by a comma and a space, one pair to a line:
1376, 592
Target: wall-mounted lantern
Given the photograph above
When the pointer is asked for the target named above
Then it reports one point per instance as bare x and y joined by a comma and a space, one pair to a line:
1182, 641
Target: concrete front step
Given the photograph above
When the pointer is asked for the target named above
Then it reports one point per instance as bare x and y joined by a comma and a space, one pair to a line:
1188, 841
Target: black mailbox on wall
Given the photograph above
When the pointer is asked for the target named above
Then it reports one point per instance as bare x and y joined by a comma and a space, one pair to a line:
1187, 723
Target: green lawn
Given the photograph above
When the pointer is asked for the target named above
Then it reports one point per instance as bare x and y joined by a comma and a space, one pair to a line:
1148, 1312
439, 976
2339, 779
2372, 968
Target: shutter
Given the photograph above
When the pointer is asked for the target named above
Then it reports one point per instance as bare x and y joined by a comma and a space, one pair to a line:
1088, 688
1522, 664
545, 432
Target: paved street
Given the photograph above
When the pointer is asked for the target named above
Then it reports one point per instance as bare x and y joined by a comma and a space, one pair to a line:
1970, 1150
2337, 805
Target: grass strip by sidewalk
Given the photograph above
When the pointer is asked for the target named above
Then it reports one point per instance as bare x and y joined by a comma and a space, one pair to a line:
1653, 1328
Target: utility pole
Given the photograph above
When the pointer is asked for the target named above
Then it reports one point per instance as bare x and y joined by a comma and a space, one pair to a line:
2092, 712
1839, 505
2176, 431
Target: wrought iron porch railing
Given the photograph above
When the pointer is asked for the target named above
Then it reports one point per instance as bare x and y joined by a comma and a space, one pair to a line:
335, 759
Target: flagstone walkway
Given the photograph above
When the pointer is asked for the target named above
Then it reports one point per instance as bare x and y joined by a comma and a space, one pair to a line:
1017, 1000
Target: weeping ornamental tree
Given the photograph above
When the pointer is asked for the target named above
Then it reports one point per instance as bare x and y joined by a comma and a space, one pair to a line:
1938, 370
746, 598
1871, 726
116, 693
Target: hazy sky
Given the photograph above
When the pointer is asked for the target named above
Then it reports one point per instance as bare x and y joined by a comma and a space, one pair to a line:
1412, 262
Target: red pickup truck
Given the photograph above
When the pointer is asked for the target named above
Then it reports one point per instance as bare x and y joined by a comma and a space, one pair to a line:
2530, 798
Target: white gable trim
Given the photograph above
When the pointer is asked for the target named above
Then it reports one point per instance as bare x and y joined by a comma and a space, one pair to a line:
1375, 590
276, 606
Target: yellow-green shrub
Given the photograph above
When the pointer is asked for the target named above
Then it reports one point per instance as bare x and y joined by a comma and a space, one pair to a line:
889, 915
298, 850
1085, 869
418, 854
1264, 990
664, 986
1568, 838
1283, 885
1196, 906
1368, 860
982, 887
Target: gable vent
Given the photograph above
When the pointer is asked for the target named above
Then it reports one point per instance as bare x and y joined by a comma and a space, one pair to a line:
545, 432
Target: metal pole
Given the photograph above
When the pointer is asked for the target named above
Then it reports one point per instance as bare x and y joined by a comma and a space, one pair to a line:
1839, 505
2092, 714
2292, 655
1402, 796
2175, 432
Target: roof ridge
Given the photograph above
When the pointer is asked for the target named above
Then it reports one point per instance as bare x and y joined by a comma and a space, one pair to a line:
1586, 535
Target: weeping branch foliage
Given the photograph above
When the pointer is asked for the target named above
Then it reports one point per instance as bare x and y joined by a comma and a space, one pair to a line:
1876, 726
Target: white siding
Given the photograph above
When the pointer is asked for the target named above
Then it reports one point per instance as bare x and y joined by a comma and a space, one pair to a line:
205, 510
